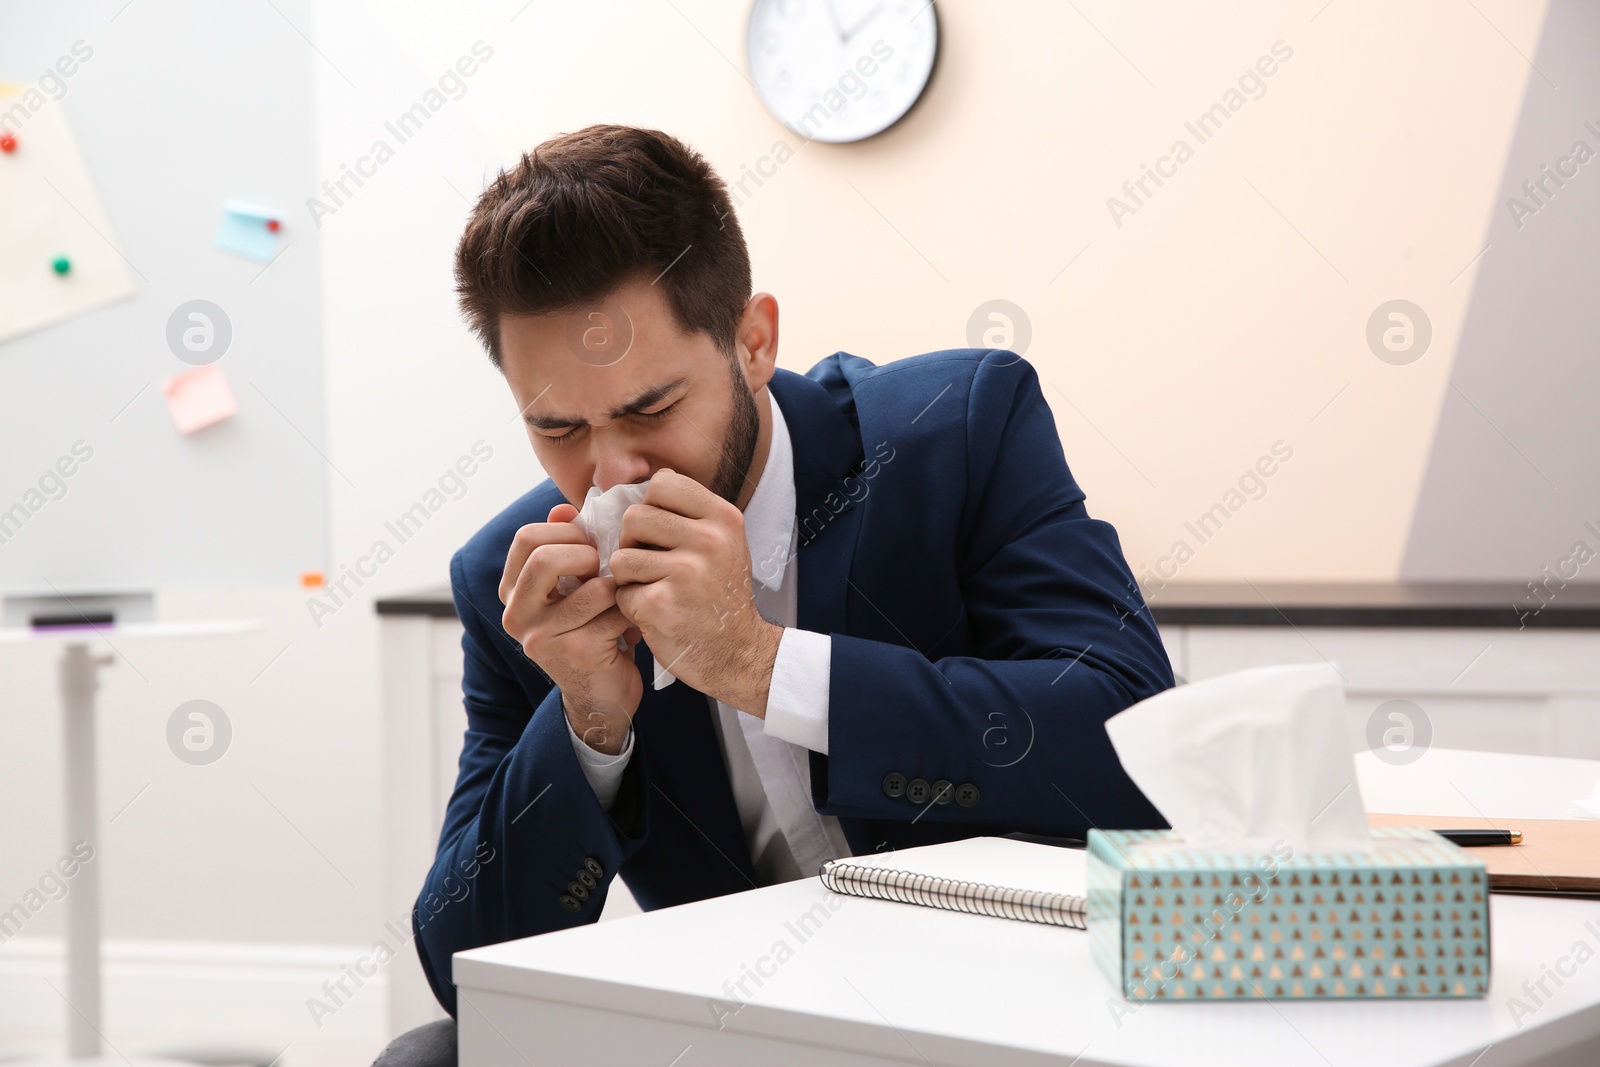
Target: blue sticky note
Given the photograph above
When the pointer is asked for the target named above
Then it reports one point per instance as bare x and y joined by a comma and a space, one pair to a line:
244, 231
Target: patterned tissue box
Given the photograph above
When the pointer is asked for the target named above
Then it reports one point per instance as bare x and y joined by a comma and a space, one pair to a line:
1408, 919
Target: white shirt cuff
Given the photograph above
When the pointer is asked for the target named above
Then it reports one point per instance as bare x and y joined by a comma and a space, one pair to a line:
603, 772
797, 698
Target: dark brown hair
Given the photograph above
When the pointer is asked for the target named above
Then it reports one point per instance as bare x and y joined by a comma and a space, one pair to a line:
586, 212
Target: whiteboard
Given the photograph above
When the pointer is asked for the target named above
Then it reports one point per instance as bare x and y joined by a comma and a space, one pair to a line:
175, 106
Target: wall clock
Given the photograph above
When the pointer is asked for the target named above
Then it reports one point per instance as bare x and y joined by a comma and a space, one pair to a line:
841, 70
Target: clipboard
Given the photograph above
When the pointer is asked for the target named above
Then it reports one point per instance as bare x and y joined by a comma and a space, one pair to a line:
1557, 857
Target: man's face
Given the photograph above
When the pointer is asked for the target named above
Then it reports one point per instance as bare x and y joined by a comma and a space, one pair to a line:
613, 392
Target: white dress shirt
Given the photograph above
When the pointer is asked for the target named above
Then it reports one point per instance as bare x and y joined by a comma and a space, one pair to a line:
767, 760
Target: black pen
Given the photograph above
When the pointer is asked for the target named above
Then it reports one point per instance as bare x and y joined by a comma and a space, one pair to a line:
1476, 838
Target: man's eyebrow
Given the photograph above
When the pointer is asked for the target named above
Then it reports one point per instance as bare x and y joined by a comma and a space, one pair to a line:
645, 399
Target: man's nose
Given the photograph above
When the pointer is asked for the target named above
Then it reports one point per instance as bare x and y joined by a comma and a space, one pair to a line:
618, 465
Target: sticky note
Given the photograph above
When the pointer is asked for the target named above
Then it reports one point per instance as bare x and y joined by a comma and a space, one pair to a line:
199, 398
248, 231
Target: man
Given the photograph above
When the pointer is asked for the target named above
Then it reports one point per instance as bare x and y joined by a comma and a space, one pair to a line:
890, 619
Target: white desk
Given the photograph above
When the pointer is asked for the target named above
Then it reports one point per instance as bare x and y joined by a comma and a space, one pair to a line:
874, 982
1457, 651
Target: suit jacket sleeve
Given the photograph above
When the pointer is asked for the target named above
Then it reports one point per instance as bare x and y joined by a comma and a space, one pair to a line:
523, 819
1061, 641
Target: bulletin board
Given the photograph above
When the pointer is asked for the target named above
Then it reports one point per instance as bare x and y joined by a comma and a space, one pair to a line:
161, 375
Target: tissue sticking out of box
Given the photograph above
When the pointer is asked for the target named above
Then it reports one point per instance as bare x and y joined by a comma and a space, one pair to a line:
1248, 759
600, 519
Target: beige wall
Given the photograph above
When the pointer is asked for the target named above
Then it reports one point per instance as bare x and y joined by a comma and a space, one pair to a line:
1218, 319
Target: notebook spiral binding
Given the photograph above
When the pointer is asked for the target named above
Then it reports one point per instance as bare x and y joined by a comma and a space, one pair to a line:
974, 898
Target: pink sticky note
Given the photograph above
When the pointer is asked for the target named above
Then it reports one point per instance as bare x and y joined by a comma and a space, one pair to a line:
199, 398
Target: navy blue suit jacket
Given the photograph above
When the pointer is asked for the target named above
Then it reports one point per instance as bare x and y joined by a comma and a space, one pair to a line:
983, 629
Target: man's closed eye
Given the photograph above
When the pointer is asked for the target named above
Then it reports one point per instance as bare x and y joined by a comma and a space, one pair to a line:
647, 416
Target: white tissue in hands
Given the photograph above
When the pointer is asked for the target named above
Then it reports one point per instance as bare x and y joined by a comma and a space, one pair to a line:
600, 519
1248, 759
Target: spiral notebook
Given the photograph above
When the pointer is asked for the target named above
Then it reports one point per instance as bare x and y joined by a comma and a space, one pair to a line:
980, 875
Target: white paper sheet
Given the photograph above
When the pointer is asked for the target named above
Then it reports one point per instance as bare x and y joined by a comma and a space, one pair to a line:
49, 208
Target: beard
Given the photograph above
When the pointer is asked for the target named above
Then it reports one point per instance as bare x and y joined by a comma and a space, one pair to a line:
739, 443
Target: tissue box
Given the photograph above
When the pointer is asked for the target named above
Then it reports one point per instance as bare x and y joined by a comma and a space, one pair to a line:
1170, 922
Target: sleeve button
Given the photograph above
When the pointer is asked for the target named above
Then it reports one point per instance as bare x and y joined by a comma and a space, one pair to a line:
592, 865
966, 794
577, 889
894, 784
917, 791
589, 881
570, 902
943, 791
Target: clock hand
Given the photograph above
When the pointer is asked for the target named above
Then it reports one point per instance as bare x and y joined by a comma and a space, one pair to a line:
834, 17
857, 28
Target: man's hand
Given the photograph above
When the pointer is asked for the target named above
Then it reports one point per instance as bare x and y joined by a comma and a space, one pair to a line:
683, 577
573, 639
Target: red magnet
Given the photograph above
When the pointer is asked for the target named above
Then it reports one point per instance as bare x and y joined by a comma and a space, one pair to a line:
273, 225
8, 141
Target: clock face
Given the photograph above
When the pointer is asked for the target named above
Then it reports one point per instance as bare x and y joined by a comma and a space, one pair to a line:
841, 70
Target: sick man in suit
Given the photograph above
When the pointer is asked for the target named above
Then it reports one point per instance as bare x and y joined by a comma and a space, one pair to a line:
888, 618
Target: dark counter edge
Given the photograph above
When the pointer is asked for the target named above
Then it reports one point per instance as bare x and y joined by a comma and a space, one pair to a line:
1440, 605
1435, 605
1454, 618
433, 603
